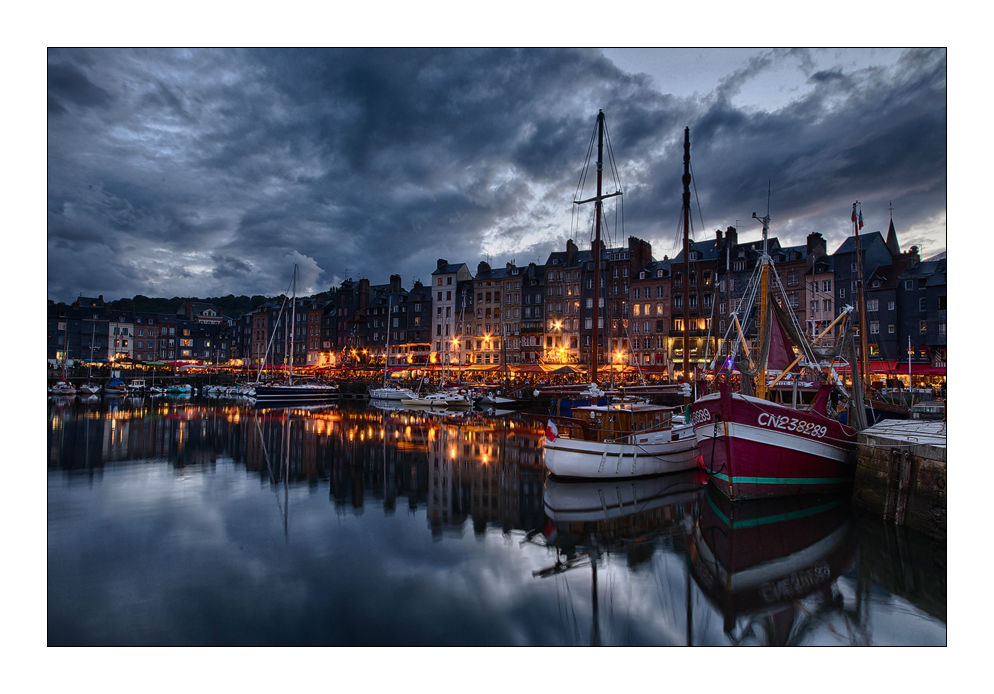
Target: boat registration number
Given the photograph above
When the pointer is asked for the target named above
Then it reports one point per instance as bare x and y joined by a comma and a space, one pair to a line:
794, 424
700, 417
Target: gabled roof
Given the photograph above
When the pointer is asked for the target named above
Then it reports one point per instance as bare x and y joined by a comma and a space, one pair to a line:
865, 241
887, 275
708, 249
651, 268
498, 273
924, 269
449, 269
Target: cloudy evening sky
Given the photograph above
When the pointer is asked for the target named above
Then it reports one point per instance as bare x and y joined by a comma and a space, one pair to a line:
209, 172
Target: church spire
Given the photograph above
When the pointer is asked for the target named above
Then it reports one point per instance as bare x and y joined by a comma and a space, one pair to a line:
892, 245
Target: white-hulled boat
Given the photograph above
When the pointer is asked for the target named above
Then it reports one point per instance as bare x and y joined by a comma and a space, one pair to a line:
592, 501
63, 388
392, 393
612, 442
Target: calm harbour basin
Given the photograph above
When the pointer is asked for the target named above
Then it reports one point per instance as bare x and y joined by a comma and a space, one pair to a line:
208, 522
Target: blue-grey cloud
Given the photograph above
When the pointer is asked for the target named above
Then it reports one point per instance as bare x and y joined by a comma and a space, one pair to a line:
201, 172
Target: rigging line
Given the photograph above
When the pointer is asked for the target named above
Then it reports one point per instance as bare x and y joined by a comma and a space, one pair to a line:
693, 178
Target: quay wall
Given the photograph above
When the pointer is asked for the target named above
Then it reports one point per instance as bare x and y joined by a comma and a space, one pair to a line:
901, 474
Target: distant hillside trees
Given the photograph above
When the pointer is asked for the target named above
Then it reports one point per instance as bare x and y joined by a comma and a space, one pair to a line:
230, 305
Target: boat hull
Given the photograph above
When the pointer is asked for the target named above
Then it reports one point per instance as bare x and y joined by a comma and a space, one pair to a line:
587, 501
390, 394
754, 448
763, 556
651, 453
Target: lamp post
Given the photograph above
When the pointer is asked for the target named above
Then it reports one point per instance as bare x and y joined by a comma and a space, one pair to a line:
455, 343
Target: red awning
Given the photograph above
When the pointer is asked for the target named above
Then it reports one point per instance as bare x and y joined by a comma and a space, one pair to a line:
896, 368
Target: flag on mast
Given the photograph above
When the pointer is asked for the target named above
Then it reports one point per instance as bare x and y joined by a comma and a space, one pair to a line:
861, 218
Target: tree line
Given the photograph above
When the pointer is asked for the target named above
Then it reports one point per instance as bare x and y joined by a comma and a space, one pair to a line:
229, 305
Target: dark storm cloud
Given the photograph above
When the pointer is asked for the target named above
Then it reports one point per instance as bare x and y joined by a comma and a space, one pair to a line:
211, 172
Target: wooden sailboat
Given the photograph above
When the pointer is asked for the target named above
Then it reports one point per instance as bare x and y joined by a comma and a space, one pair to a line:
290, 393
633, 440
753, 443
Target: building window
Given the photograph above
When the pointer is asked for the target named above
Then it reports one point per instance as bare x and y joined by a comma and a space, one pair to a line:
890, 305
793, 301
826, 285
923, 326
739, 266
909, 284
891, 328
921, 304
874, 327
814, 307
942, 303
792, 278
873, 305
942, 328
842, 292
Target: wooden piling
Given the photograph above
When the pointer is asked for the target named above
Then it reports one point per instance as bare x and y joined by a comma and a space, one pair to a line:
901, 474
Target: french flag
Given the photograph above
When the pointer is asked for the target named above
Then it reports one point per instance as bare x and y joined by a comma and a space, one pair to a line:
551, 431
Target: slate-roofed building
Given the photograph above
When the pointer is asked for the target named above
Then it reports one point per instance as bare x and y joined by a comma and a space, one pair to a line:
444, 324
651, 287
706, 287
882, 316
485, 338
562, 304
875, 253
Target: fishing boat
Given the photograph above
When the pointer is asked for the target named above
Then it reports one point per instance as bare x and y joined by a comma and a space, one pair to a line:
601, 440
292, 393
757, 560
764, 441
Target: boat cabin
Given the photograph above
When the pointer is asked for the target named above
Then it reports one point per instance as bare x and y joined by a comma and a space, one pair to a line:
612, 423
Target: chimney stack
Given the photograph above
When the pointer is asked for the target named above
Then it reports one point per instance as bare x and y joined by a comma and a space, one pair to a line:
442, 263
733, 236
482, 268
363, 293
395, 284
717, 234
571, 250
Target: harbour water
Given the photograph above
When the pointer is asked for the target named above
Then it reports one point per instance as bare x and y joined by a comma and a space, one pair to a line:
207, 522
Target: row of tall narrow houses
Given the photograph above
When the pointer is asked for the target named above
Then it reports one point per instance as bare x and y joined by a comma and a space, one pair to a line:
544, 313
90, 329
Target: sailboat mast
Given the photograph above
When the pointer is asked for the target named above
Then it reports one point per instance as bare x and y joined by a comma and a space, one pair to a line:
597, 247
293, 319
386, 355
686, 254
864, 359
764, 298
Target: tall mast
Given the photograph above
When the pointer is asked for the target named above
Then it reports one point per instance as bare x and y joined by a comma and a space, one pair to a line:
864, 359
597, 246
293, 319
386, 355
764, 298
597, 200
686, 254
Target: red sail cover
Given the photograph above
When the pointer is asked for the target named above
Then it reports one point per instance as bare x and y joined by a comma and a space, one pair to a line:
781, 352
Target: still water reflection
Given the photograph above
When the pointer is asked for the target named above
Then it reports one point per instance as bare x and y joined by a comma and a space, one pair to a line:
206, 522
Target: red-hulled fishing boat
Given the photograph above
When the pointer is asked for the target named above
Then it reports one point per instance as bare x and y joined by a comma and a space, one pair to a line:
757, 560
765, 441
